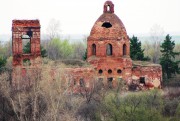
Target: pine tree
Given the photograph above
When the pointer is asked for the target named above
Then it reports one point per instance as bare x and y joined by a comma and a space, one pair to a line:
27, 48
3, 61
169, 65
136, 52
85, 55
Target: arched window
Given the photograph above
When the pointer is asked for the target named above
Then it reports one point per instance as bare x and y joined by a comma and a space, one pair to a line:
110, 82
109, 49
93, 49
124, 49
108, 8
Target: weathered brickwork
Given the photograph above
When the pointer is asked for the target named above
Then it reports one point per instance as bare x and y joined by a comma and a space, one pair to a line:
109, 35
150, 74
108, 52
25, 30
114, 61
78, 78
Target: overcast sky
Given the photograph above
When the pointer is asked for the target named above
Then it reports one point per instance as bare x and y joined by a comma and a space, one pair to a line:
78, 16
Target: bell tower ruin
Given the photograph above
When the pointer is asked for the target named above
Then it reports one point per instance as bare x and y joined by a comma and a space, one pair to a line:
25, 32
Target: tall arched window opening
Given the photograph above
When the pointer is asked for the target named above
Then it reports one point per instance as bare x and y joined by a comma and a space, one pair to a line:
124, 49
109, 49
26, 44
93, 49
108, 8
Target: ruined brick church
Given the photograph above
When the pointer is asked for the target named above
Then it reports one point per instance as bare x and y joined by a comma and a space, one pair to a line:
108, 53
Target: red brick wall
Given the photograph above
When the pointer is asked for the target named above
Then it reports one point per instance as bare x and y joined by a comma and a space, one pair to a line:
22, 27
116, 36
152, 74
101, 35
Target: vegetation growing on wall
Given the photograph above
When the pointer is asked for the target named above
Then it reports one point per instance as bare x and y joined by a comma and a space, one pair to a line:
54, 101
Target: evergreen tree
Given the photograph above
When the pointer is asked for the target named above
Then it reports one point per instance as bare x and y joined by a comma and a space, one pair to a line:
2, 63
27, 49
85, 55
136, 52
169, 65
43, 52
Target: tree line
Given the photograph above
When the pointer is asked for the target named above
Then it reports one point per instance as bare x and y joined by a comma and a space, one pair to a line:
54, 47
58, 49
170, 66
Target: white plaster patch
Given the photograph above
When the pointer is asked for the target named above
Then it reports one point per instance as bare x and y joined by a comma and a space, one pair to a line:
127, 73
135, 77
156, 82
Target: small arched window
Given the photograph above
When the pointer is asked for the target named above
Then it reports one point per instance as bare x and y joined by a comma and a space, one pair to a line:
93, 49
109, 71
119, 71
109, 49
100, 71
108, 8
30, 33
124, 49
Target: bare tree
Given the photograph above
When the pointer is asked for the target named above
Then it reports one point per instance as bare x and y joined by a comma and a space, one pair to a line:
53, 29
177, 49
85, 39
79, 50
156, 33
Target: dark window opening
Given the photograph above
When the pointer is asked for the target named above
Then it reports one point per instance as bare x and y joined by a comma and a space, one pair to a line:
142, 80
107, 25
100, 71
124, 49
119, 79
74, 82
110, 83
100, 83
26, 44
119, 71
93, 49
109, 49
30, 33
26, 62
82, 83
100, 79
109, 71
